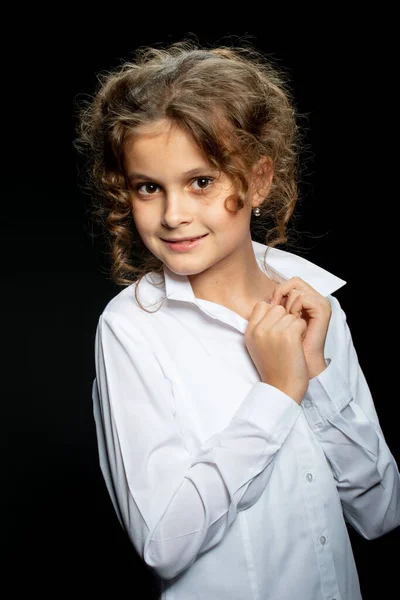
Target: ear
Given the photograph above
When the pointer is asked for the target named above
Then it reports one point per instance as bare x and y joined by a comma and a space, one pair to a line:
262, 175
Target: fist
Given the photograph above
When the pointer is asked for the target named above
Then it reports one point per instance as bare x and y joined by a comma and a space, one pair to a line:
274, 339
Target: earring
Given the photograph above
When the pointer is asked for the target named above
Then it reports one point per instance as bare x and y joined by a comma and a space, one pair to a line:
257, 211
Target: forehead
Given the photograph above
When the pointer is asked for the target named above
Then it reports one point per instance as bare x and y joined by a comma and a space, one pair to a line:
162, 143
160, 133
153, 129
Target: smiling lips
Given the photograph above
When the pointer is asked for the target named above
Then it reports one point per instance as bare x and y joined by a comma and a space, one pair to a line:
185, 239
182, 246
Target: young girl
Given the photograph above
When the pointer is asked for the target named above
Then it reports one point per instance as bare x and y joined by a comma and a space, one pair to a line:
236, 431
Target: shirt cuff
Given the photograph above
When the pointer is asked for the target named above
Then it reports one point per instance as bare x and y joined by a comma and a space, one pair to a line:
327, 394
269, 409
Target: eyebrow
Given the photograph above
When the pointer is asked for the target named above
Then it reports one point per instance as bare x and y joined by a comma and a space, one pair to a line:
197, 171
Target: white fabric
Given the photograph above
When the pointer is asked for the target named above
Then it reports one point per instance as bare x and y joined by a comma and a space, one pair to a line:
227, 487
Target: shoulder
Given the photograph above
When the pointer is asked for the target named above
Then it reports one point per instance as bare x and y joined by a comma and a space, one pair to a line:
339, 333
122, 303
136, 301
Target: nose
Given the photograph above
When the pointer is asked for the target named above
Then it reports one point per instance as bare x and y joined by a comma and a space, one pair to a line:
177, 210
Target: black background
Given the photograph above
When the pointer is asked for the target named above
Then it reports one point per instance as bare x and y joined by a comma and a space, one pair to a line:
62, 534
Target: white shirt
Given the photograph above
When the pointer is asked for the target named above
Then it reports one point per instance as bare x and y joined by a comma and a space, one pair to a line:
227, 487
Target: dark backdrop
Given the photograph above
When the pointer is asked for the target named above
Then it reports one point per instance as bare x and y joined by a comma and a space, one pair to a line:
62, 534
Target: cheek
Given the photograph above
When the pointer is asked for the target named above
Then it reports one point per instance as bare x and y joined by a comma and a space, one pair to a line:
144, 220
229, 219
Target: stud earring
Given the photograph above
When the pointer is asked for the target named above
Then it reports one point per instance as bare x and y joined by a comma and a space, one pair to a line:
257, 211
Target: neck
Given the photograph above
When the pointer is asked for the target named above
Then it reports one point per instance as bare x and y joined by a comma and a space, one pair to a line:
236, 282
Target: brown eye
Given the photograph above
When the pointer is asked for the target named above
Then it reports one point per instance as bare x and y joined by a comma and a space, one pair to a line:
147, 189
204, 182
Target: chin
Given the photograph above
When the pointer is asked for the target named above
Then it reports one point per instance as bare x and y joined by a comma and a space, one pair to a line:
185, 272
188, 269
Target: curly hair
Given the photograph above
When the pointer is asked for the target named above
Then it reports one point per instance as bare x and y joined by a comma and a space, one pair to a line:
236, 106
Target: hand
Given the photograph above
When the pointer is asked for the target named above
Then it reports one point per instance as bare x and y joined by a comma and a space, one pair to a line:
299, 298
274, 341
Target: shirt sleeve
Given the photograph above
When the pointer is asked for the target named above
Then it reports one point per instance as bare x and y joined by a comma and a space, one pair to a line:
174, 505
341, 412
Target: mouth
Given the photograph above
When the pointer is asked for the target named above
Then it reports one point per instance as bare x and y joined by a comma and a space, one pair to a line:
181, 241
185, 245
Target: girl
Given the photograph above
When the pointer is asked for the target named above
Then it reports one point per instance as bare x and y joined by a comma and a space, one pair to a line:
236, 431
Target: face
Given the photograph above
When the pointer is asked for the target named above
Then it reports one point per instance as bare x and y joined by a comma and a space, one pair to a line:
177, 194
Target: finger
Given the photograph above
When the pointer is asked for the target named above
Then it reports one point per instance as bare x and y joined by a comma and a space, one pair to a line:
265, 319
292, 297
301, 326
297, 305
310, 305
273, 316
283, 289
283, 323
292, 322
260, 309
275, 319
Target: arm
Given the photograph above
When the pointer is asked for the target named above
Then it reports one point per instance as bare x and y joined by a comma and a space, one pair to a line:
174, 505
340, 410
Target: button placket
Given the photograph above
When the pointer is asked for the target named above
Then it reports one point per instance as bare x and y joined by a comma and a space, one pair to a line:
312, 415
312, 480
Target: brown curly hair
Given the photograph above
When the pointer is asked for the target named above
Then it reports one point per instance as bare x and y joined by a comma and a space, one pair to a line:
234, 103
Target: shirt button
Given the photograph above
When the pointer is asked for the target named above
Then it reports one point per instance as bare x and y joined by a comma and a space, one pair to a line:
322, 539
309, 477
306, 403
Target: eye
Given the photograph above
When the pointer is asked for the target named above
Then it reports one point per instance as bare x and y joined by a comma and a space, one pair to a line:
147, 189
204, 182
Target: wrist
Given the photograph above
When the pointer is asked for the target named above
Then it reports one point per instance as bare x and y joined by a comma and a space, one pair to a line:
316, 367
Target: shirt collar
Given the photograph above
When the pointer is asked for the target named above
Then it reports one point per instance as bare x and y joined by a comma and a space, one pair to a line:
285, 264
